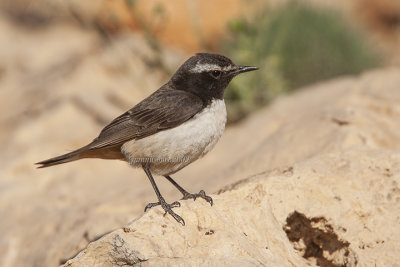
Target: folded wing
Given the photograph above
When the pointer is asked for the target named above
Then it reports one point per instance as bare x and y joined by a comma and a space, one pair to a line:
164, 109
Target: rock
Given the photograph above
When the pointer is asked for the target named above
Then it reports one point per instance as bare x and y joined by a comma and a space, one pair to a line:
333, 194
341, 223
239, 230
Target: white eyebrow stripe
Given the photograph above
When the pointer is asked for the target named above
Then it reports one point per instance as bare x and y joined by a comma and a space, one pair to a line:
204, 67
199, 68
229, 68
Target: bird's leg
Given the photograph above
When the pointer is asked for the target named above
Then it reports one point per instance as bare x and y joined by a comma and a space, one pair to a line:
161, 201
187, 195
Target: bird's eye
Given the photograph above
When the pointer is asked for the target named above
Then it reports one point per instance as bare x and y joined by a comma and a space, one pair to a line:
216, 73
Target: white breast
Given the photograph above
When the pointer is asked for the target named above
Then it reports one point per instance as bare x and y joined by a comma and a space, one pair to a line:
168, 151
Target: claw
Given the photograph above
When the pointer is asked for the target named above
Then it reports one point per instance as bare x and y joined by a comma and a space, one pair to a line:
175, 204
150, 205
168, 209
201, 194
175, 216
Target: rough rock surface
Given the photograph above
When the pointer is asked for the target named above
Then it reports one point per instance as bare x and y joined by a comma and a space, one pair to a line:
348, 225
322, 168
334, 196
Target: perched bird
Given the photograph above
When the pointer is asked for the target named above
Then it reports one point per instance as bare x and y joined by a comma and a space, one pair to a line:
176, 125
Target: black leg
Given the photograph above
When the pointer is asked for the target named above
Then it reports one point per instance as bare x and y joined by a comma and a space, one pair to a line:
187, 195
161, 201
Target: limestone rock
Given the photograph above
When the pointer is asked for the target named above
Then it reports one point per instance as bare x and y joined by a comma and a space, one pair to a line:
347, 224
332, 189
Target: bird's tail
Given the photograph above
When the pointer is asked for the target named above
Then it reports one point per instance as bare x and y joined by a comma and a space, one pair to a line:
71, 156
87, 151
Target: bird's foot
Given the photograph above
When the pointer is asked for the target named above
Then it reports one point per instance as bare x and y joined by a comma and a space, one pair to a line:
201, 194
168, 209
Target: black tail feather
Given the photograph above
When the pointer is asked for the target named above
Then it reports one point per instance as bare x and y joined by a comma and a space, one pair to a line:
74, 155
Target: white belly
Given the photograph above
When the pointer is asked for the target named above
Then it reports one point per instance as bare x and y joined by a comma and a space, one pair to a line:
168, 151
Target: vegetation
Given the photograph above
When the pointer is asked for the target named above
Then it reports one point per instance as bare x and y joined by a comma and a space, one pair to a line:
294, 46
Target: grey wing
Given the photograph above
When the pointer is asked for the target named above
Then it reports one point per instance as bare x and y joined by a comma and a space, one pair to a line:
162, 110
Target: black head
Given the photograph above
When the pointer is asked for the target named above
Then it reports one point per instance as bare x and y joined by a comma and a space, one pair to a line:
207, 75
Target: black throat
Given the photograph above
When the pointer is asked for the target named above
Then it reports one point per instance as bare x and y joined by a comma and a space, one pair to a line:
204, 75
205, 91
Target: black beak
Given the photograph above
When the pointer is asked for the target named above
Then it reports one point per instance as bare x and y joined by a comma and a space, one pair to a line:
242, 69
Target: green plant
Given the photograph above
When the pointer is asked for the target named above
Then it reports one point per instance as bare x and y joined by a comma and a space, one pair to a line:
294, 46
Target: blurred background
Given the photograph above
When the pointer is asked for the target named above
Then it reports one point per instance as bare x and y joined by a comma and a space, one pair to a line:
67, 68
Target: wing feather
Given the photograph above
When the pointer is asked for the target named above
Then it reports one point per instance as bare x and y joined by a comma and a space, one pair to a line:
164, 109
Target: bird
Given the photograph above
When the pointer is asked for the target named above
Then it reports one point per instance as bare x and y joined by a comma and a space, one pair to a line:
171, 128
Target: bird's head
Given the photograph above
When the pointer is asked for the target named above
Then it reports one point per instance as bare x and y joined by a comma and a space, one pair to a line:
207, 75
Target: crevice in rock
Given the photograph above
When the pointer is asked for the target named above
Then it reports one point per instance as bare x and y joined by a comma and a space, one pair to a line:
340, 122
316, 239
